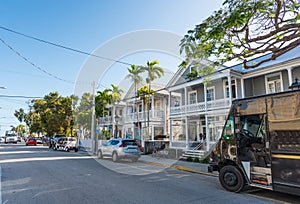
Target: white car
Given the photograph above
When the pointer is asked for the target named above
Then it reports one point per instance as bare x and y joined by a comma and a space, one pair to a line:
66, 144
119, 148
2, 139
39, 141
10, 138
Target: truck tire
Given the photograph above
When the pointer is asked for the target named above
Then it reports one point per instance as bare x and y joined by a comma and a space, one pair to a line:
231, 179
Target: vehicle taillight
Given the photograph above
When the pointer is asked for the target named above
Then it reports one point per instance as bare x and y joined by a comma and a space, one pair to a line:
122, 145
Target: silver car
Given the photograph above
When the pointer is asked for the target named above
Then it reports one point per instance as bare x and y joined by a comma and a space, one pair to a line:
119, 148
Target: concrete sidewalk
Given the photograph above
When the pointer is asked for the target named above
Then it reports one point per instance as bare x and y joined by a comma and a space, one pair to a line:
194, 167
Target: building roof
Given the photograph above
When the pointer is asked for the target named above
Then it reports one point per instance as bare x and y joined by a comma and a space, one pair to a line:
290, 55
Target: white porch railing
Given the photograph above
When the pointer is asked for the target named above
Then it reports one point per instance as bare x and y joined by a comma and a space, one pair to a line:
200, 107
132, 117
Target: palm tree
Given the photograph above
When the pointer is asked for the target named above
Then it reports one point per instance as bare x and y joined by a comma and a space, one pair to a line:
116, 94
103, 98
134, 75
153, 72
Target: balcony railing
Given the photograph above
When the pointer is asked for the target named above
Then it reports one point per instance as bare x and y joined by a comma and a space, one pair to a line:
133, 117
200, 107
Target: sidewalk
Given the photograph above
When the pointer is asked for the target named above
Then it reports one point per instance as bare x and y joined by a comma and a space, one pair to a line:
193, 167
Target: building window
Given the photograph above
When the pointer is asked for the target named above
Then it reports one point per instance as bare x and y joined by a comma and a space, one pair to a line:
192, 97
210, 94
233, 89
176, 102
274, 83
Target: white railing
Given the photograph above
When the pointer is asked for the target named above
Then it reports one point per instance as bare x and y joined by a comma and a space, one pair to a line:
132, 117
200, 107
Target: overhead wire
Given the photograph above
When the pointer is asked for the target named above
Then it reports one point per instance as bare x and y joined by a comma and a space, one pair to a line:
64, 47
34, 65
83, 52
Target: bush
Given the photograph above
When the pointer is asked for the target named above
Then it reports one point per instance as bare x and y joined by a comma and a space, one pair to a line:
190, 159
196, 159
205, 160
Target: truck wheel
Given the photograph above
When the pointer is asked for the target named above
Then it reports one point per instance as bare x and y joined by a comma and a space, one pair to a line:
76, 149
231, 179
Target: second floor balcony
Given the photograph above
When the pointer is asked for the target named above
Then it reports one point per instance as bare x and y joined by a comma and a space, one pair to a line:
200, 107
157, 115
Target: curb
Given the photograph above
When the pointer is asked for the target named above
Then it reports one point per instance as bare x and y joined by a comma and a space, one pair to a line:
181, 168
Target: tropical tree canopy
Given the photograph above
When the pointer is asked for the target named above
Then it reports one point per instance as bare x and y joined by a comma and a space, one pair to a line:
116, 93
102, 99
134, 73
245, 29
52, 114
153, 70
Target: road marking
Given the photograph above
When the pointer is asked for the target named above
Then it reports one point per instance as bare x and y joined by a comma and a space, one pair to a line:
42, 159
17, 152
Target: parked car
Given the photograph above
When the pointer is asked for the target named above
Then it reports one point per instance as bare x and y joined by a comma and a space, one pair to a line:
11, 138
53, 140
119, 148
31, 141
39, 141
19, 139
66, 144
2, 139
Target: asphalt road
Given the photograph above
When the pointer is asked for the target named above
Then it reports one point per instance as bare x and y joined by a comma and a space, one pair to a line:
41, 175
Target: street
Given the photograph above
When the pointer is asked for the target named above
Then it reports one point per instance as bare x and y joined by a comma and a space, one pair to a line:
37, 174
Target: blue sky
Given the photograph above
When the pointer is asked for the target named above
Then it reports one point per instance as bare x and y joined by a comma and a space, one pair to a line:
82, 25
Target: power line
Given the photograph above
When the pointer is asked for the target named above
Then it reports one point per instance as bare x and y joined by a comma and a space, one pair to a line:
16, 96
31, 63
64, 47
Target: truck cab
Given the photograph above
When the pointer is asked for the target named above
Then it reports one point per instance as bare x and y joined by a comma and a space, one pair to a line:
260, 144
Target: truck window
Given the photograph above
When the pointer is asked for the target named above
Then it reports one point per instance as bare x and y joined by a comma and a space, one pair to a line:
228, 132
250, 124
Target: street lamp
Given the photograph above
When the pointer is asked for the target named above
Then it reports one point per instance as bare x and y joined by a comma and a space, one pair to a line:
116, 120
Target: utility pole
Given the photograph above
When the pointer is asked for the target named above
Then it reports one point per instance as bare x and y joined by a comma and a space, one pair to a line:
93, 120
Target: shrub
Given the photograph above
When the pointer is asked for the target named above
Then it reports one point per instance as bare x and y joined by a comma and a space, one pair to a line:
196, 159
190, 159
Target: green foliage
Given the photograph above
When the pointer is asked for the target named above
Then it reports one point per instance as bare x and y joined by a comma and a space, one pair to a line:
193, 74
205, 160
134, 73
190, 159
153, 70
102, 99
243, 29
52, 114
196, 159
144, 93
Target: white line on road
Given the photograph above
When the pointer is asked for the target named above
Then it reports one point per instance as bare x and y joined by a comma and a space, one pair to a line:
42, 159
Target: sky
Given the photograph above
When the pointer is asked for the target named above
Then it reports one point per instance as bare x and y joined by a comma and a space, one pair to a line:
30, 68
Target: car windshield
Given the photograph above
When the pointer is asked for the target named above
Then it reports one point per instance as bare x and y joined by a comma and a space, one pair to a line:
130, 142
